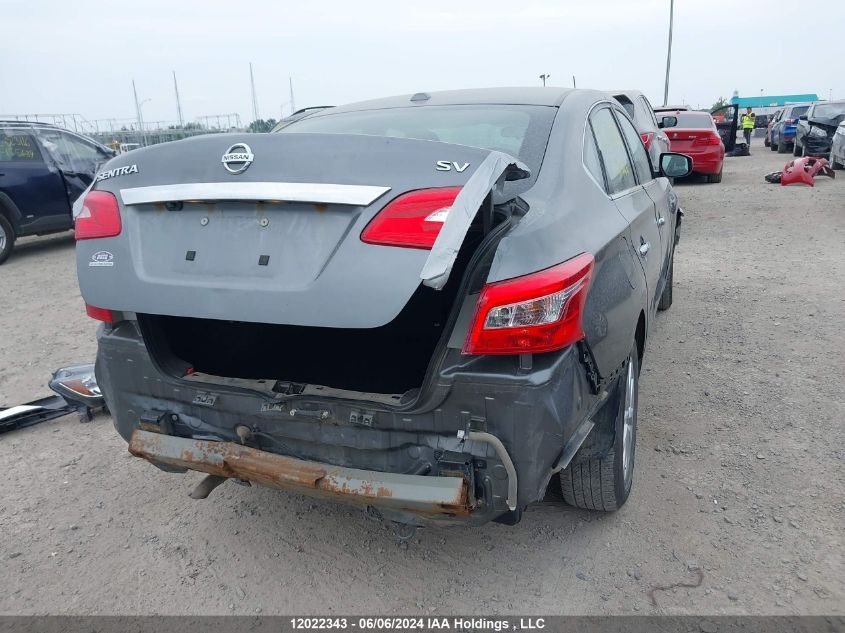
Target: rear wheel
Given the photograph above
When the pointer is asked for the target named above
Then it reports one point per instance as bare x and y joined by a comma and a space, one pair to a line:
834, 164
766, 142
773, 147
603, 481
7, 238
715, 177
783, 147
796, 151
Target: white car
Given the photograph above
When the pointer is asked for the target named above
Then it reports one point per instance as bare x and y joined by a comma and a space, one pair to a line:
837, 148
640, 110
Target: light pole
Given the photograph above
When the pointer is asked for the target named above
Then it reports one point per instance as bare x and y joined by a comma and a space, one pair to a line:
141, 120
669, 52
544, 77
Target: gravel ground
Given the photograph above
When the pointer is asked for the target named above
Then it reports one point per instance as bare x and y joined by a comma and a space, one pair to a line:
737, 505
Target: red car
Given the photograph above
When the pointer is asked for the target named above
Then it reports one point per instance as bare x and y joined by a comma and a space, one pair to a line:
696, 136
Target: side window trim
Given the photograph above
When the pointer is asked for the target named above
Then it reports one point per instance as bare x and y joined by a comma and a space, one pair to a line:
588, 129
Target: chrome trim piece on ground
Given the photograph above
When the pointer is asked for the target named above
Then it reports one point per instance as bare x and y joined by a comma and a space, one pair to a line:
318, 193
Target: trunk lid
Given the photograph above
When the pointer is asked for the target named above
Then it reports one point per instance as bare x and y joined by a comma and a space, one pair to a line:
273, 236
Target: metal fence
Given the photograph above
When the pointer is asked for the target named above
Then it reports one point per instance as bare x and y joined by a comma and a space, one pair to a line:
115, 131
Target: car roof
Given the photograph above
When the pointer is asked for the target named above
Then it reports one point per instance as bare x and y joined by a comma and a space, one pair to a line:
534, 95
16, 123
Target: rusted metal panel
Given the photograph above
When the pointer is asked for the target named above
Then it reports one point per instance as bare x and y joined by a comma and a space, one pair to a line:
413, 493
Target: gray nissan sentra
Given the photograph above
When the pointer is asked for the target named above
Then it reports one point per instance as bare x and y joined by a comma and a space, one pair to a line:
433, 306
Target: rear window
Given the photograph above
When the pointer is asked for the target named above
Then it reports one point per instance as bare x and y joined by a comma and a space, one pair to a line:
798, 111
521, 131
828, 110
701, 121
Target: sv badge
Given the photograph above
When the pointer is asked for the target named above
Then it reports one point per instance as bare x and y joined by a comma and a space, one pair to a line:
445, 165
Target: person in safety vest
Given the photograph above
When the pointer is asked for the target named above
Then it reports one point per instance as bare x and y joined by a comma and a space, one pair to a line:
748, 120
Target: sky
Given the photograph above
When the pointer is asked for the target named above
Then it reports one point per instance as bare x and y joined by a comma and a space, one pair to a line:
81, 57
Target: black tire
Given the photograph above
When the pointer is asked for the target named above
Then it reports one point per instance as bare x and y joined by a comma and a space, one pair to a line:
783, 147
715, 177
834, 164
666, 297
7, 238
603, 482
766, 142
773, 147
796, 151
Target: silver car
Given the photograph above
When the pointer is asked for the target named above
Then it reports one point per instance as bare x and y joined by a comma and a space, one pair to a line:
641, 112
837, 148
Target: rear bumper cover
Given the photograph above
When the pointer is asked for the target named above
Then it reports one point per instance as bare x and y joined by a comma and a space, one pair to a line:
534, 412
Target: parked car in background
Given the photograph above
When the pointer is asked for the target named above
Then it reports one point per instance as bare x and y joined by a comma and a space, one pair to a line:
298, 115
642, 114
817, 127
783, 130
726, 119
695, 135
837, 147
435, 267
768, 140
43, 170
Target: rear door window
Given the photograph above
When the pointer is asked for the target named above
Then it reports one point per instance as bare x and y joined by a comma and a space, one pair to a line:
612, 152
72, 154
18, 146
646, 115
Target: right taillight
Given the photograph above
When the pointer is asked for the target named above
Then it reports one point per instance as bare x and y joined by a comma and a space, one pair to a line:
412, 220
647, 136
790, 121
540, 312
99, 217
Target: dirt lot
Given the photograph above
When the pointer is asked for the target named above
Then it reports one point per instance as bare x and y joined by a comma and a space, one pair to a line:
737, 500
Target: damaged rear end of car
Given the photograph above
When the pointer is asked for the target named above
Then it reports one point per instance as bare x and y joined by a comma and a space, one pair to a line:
314, 314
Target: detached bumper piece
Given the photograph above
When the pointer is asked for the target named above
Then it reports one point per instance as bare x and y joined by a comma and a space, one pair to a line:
803, 171
416, 494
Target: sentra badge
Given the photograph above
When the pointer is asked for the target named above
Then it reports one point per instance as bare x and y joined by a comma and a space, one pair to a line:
117, 171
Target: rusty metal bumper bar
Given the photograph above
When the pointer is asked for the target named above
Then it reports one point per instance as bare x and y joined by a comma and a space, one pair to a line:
410, 493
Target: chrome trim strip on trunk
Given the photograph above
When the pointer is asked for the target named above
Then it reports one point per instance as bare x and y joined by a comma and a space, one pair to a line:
318, 193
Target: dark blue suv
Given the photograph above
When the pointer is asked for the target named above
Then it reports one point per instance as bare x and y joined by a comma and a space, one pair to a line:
43, 169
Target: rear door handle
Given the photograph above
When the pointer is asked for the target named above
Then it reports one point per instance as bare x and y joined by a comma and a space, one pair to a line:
645, 247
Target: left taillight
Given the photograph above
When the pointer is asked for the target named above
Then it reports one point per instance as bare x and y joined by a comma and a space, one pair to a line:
101, 314
540, 312
413, 220
647, 137
99, 217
